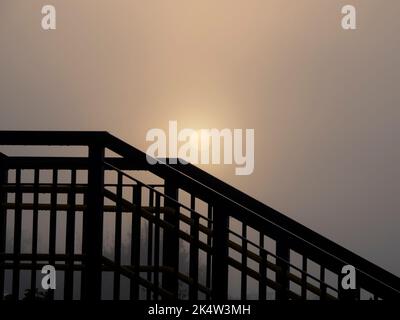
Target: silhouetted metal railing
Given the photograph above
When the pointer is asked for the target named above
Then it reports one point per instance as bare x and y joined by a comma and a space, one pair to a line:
120, 228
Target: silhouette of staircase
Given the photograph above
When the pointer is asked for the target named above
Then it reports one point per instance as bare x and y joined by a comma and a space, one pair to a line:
112, 232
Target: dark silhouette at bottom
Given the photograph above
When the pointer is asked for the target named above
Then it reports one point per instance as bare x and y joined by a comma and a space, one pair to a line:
120, 228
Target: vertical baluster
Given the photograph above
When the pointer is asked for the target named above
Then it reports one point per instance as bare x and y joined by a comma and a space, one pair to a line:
157, 247
117, 240
171, 239
262, 284
3, 220
209, 244
93, 225
304, 278
35, 223
150, 244
283, 252
53, 224
84, 244
70, 239
220, 252
135, 241
194, 251
243, 291
17, 235
322, 283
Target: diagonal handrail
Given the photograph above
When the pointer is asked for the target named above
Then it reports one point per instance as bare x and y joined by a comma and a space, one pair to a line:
187, 172
149, 187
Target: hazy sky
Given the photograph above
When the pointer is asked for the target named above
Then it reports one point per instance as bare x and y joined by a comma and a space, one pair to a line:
324, 102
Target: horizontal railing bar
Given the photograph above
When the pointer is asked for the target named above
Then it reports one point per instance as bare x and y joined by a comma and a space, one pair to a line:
40, 256
39, 266
156, 185
65, 163
53, 138
44, 188
26, 258
78, 207
59, 266
60, 188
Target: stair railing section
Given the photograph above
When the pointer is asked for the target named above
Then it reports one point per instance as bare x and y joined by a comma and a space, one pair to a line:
151, 231
324, 258
192, 236
161, 227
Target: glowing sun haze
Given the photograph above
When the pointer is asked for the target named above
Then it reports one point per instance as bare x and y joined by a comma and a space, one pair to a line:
324, 102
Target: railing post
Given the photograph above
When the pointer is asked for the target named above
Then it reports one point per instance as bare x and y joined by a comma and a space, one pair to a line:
220, 253
70, 239
171, 239
3, 220
93, 225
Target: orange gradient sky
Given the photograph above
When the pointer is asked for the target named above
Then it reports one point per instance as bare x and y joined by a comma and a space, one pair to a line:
324, 102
